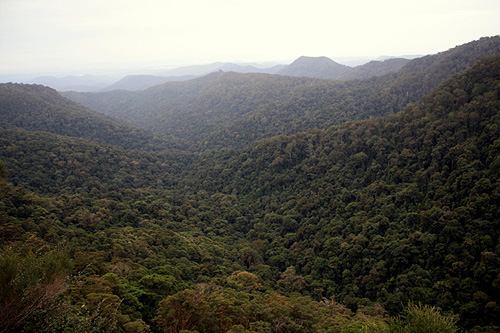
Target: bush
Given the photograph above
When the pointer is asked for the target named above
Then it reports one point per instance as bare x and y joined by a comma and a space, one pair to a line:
418, 319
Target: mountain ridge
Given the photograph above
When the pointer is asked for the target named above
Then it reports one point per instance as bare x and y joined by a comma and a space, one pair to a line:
374, 68
40, 108
142, 82
227, 108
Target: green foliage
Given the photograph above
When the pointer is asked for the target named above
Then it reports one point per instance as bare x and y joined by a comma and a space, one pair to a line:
355, 328
212, 308
160, 284
417, 318
3, 171
74, 164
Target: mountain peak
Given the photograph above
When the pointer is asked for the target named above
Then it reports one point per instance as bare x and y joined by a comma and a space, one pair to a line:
318, 67
303, 59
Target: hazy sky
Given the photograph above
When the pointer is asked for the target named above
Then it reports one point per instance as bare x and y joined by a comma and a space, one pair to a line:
77, 35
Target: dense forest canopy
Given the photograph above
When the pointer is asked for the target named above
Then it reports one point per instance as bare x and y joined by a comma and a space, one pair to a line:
369, 225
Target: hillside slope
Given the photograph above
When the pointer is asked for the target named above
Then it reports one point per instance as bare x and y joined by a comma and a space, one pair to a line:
48, 163
374, 68
404, 207
39, 108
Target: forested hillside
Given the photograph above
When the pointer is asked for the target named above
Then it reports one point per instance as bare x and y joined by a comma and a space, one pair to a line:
374, 68
394, 208
39, 108
337, 229
233, 109
48, 163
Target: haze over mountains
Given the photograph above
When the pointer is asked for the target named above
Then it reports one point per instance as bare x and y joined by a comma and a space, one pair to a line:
316, 67
72, 82
258, 202
235, 109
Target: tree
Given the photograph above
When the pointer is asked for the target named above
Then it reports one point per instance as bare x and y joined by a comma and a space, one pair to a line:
27, 282
245, 280
183, 310
3, 171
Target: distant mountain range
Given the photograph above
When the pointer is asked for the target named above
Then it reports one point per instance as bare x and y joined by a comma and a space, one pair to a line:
74, 82
141, 82
313, 67
101, 83
200, 70
224, 109
326, 68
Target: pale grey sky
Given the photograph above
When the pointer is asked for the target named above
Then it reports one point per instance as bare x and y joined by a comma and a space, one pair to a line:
79, 35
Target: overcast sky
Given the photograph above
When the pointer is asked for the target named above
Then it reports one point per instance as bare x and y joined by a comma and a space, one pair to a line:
80, 35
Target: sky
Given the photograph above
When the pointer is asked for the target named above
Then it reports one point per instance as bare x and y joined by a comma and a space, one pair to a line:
83, 35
